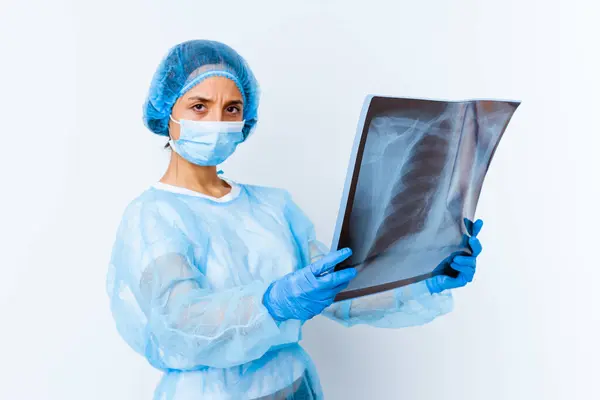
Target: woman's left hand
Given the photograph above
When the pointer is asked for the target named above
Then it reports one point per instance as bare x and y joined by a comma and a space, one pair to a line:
465, 265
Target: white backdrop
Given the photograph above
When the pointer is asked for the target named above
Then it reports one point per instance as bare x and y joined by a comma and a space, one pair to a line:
75, 152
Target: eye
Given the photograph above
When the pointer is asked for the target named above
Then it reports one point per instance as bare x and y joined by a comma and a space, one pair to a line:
233, 109
199, 107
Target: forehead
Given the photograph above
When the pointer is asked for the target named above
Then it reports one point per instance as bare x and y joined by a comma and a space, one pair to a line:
215, 86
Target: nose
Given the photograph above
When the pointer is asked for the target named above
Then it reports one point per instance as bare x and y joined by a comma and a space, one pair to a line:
216, 113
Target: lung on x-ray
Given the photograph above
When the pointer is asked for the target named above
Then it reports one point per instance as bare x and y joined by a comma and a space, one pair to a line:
416, 171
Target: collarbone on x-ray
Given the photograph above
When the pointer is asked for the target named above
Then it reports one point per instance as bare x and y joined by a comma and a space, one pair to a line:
416, 171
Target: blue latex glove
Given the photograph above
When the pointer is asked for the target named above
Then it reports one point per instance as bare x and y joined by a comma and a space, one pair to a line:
306, 292
465, 265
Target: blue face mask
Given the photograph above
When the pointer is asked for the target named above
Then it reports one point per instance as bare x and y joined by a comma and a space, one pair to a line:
207, 143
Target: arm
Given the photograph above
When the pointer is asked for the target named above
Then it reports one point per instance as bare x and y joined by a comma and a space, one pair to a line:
191, 324
184, 321
414, 304
406, 306
410, 305
396, 308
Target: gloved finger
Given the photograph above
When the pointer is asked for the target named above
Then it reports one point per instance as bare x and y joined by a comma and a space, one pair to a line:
468, 225
337, 278
475, 246
453, 283
339, 288
477, 227
328, 262
465, 272
463, 268
469, 261
442, 282
473, 228
328, 296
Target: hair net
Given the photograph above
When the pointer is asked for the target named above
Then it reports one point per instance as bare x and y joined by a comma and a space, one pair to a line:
186, 65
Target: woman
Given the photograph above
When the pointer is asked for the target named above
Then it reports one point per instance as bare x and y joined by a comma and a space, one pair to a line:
211, 280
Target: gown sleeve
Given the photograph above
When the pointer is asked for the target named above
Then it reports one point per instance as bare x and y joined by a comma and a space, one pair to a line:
183, 322
401, 307
396, 308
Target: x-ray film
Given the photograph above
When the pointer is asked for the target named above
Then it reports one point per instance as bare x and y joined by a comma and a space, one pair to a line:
416, 171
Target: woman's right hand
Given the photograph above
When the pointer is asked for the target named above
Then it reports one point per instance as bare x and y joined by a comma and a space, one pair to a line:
306, 292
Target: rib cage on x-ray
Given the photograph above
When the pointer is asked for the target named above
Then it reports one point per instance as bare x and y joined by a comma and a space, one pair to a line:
416, 171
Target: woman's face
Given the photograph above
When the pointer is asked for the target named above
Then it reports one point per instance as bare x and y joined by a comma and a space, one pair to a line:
214, 99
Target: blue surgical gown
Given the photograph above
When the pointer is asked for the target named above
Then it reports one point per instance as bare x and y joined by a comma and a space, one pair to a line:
186, 280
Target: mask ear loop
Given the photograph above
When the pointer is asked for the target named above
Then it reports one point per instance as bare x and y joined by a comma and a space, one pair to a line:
171, 140
173, 150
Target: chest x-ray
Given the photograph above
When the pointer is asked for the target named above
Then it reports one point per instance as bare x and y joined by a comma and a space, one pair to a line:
416, 171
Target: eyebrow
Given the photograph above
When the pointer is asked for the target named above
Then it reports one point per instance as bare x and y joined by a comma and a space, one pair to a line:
200, 98
207, 100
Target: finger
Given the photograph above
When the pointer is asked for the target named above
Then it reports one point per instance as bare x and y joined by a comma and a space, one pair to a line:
477, 227
475, 246
444, 282
468, 225
339, 288
329, 294
468, 261
457, 282
463, 269
464, 240
337, 278
328, 262
465, 272
436, 284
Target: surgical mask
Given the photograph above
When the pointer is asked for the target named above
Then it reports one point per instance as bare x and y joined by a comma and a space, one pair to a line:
207, 143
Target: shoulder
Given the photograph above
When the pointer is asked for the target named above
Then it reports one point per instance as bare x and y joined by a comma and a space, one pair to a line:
281, 199
266, 194
145, 202
150, 205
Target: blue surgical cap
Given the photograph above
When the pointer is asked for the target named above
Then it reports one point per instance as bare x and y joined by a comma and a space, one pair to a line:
185, 66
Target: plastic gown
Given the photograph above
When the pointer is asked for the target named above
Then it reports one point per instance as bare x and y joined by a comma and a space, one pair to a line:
186, 281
